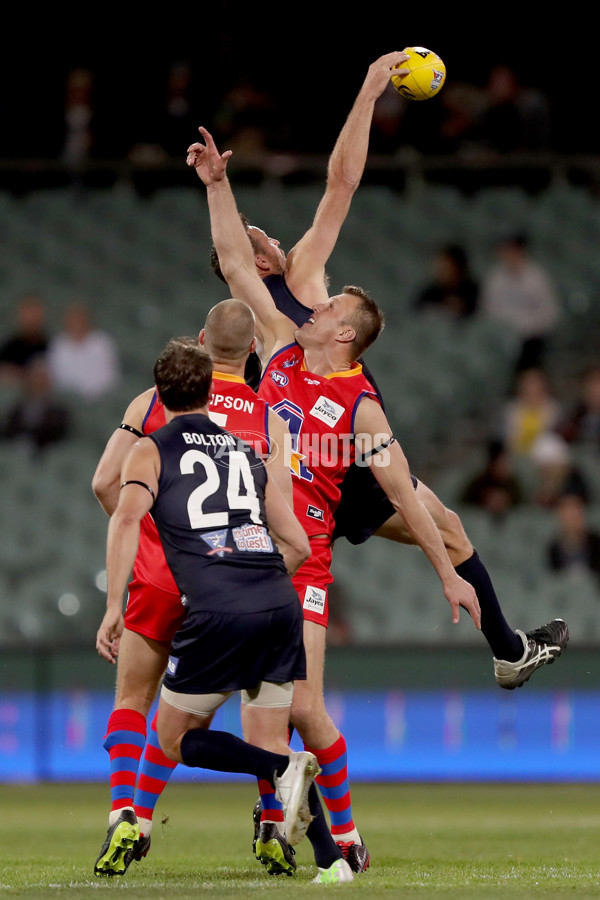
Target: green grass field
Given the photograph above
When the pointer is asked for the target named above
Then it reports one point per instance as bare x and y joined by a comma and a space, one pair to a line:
450, 841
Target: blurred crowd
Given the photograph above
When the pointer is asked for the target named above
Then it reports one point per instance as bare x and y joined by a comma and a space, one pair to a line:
88, 113
52, 370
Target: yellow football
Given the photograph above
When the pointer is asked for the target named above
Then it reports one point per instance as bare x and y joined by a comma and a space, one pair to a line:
426, 77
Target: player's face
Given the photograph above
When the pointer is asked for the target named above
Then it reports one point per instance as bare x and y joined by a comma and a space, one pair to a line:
270, 249
326, 323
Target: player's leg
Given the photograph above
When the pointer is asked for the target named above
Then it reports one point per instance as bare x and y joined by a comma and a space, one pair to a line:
140, 666
183, 722
157, 614
265, 732
320, 735
516, 654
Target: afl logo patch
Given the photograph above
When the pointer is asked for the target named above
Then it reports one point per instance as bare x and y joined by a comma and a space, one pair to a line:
279, 378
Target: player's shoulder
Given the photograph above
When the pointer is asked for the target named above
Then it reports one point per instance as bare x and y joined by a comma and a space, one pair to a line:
137, 409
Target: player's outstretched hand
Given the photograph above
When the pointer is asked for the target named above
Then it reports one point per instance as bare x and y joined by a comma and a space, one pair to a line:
380, 71
210, 165
461, 593
109, 634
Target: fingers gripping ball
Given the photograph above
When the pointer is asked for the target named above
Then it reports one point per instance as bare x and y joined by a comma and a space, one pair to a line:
426, 77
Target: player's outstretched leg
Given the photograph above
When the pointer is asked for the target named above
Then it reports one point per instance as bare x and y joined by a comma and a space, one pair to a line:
540, 647
121, 837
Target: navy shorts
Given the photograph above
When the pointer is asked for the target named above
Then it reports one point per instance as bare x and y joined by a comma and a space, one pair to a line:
215, 651
364, 506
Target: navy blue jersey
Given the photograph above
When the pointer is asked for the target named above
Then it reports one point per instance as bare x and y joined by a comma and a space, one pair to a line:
210, 515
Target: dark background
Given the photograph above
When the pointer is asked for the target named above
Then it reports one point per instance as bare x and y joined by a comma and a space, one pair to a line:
310, 58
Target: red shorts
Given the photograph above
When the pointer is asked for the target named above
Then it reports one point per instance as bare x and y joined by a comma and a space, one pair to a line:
155, 613
311, 582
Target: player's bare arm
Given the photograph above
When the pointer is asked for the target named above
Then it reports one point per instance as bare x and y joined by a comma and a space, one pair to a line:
137, 494
107, 477
285, 529
390, 467
305, 272
233, 246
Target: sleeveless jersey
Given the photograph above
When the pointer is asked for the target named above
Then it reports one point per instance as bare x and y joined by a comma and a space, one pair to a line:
319, 411
235, 407
288, 304
210, 515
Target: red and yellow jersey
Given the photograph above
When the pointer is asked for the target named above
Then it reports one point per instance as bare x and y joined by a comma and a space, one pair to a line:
319, 411
235, 407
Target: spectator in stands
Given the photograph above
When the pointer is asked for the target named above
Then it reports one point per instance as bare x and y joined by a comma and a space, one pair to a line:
453, 290
244, 119
37, 417
581, 425
519, 293
83, 360
496, 488
554, 469
576, 546
531, 411
515, 117
78, 138
170, 119
28, 340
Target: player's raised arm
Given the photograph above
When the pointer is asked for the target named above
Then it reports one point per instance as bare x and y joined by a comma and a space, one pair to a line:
233, 246
391, 470
305, 273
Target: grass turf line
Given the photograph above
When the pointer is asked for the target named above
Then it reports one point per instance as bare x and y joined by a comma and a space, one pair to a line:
426, 841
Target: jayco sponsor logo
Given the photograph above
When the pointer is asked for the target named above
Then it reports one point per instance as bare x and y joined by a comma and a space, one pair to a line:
314, 598
327, 411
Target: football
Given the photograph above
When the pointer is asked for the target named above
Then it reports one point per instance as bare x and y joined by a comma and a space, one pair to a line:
426, 77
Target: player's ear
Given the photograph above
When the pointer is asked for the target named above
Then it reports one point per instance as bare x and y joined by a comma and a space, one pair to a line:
201, 338
211, 391
346, 334
261, 262
253, 345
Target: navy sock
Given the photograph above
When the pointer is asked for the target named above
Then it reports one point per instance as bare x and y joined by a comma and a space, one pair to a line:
504, 642
324, 847
224, 752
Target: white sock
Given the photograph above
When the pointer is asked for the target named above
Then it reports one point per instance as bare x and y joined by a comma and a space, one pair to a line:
115, 813
145, 826
353, 836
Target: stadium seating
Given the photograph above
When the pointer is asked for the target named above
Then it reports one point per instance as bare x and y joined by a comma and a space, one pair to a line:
142, 263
